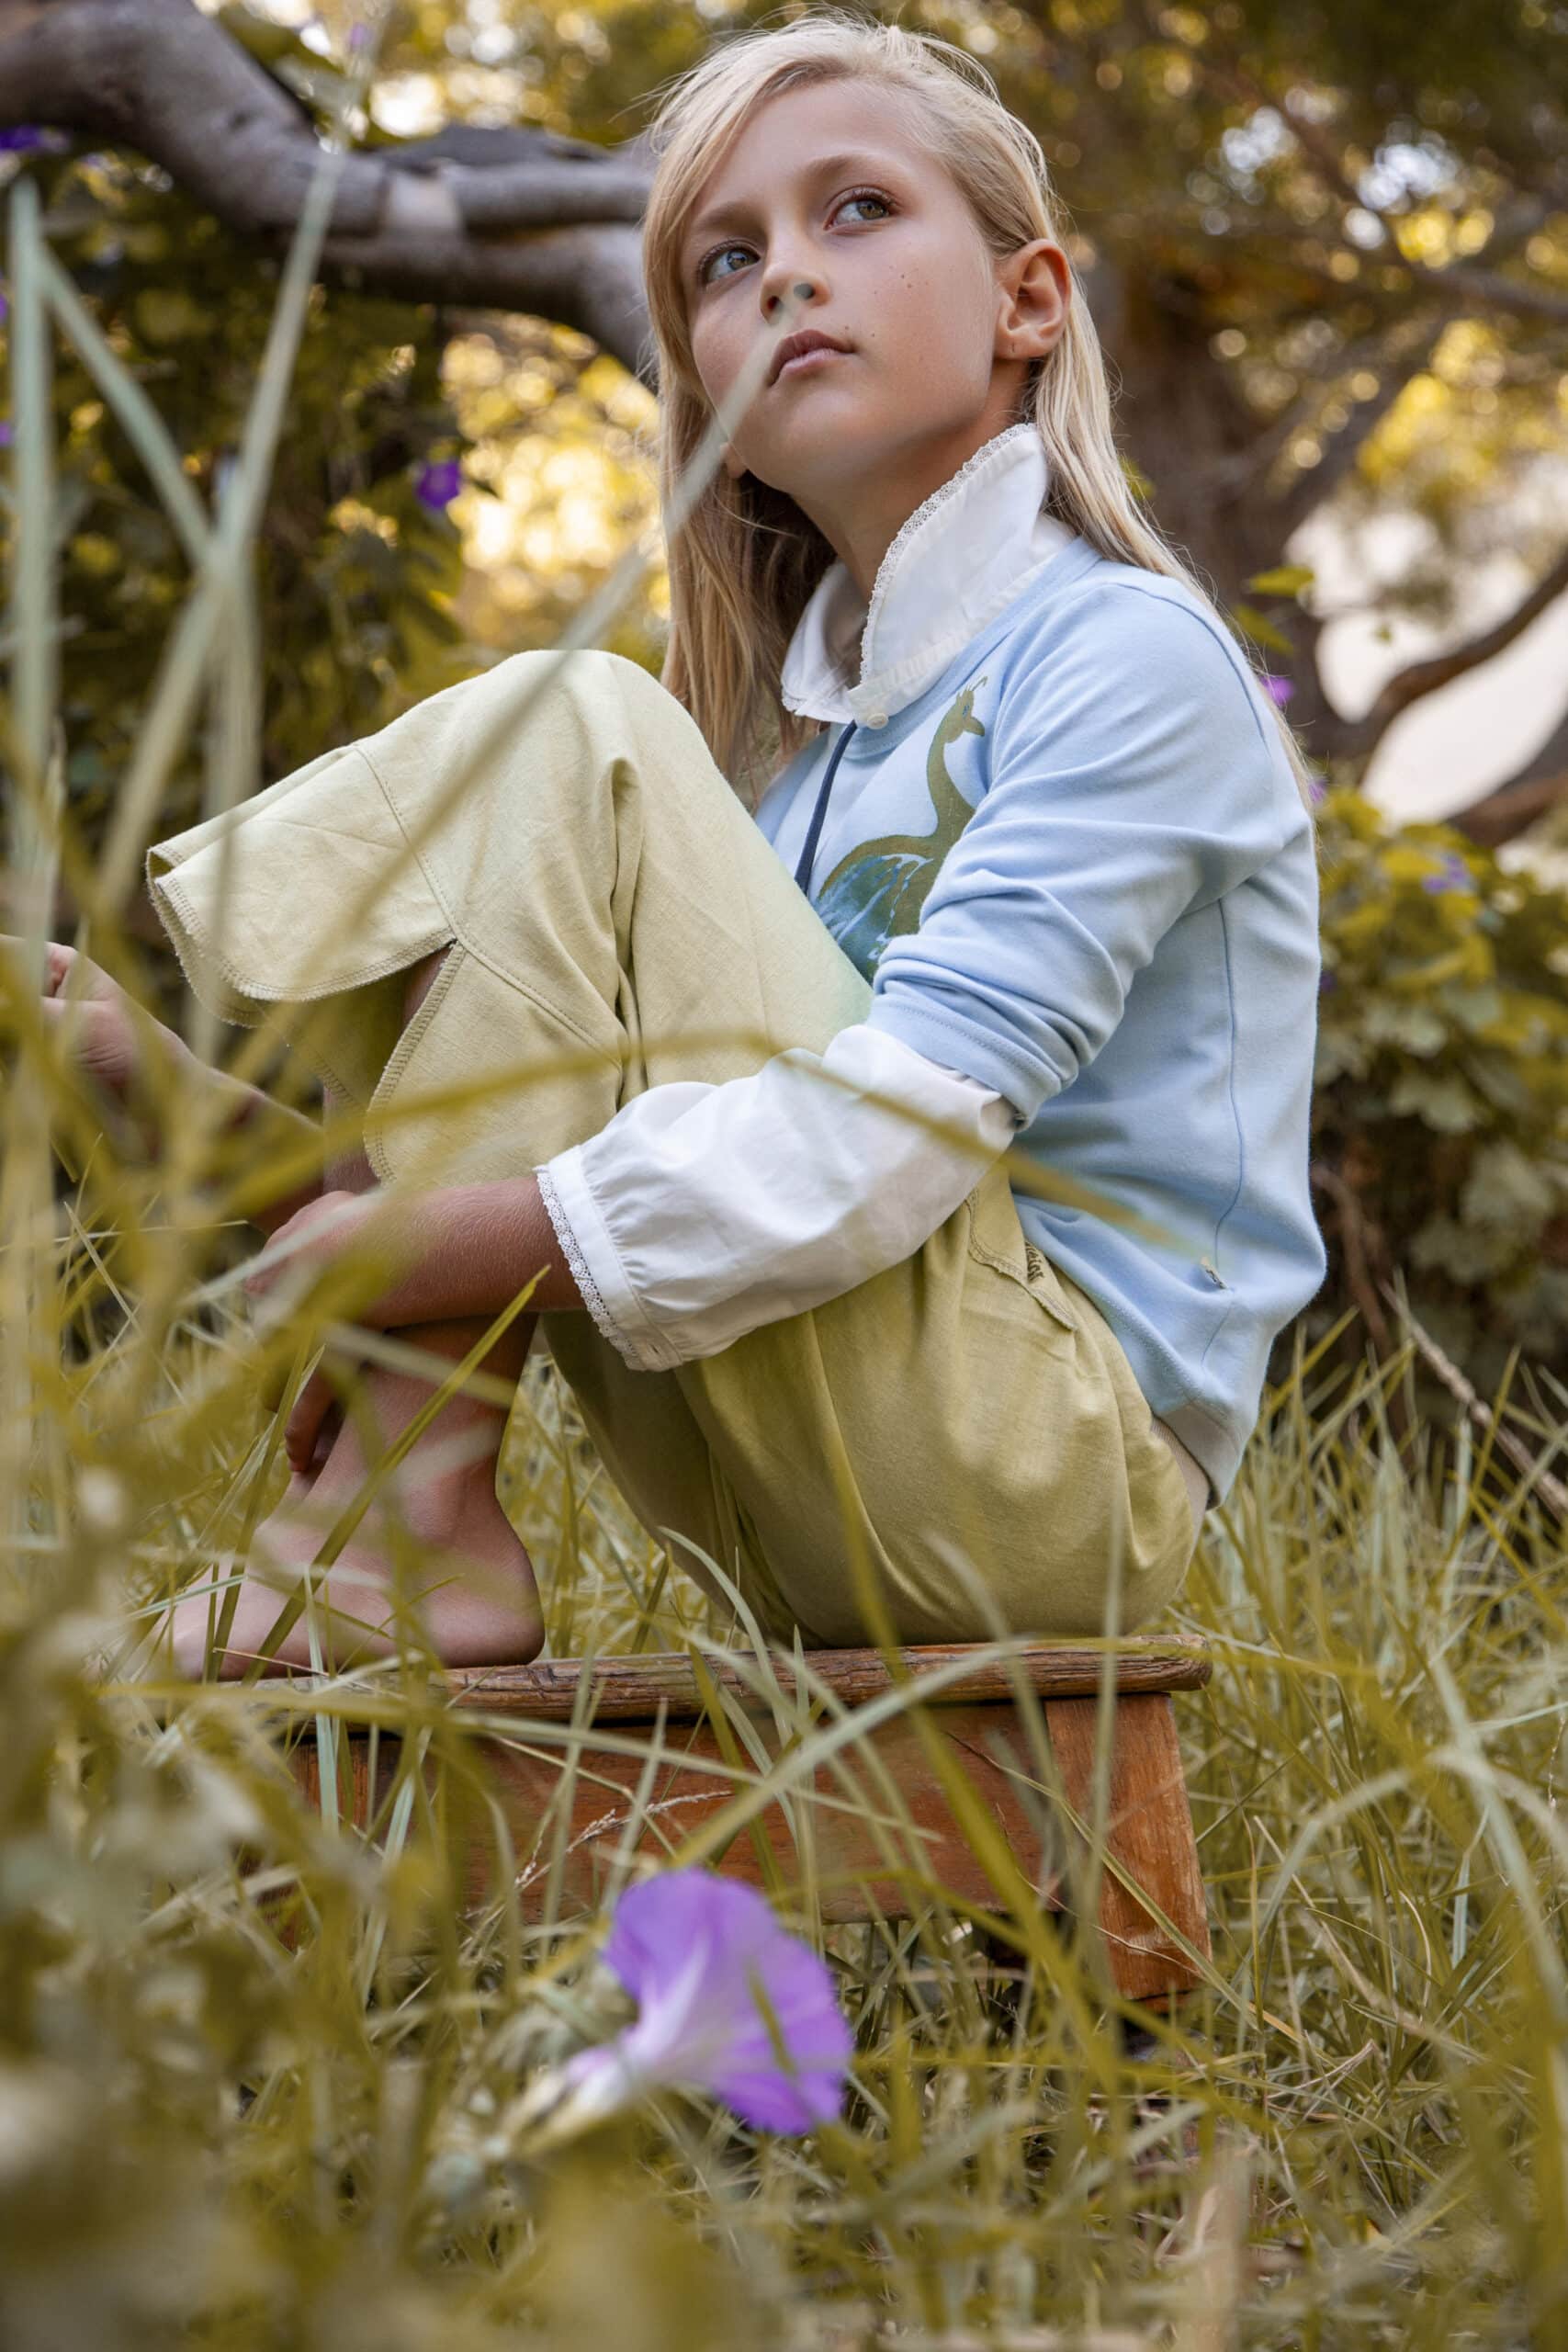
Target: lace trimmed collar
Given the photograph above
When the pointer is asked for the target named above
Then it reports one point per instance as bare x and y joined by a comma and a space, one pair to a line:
959, 558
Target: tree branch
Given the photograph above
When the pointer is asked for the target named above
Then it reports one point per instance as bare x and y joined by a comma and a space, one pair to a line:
524, 219
1316, 485
1420, 678
1510, 807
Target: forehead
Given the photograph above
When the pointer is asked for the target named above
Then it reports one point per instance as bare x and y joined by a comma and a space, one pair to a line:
848, 123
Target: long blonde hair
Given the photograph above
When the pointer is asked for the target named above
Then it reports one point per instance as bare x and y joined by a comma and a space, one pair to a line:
748, 558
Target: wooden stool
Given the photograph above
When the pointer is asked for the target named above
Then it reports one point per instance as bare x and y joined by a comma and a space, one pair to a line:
854, 1855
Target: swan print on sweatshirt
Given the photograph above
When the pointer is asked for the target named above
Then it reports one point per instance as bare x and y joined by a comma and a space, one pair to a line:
878, 891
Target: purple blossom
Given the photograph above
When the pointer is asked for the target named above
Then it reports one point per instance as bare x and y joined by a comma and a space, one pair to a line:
1278, 690
1316, 789
1455, 876
1326, 984
714, 1978
437, 485
359, 35
22, 139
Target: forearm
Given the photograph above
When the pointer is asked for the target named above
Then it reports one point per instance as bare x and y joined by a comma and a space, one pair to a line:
482, 1245
462, 1251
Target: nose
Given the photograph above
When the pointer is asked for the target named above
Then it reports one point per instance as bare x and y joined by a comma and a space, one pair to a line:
786, 290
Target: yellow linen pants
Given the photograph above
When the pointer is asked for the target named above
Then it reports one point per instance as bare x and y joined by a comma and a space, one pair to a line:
964, 1427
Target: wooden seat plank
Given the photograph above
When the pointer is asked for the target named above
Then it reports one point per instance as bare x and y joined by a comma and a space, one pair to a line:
631, 1690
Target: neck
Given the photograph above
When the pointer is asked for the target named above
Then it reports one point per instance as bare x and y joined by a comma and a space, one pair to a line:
866, 514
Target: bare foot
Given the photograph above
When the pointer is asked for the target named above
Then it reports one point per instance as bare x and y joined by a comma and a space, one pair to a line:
464, 1571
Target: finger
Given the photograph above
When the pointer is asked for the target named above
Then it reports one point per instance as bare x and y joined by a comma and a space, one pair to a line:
90, 1039
307, 1422
66, 969
57, 963
281, 1258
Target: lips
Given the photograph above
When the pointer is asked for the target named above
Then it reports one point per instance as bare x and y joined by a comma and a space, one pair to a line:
795, 346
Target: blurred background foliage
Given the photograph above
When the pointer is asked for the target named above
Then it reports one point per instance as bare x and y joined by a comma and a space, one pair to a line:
1440, 1122
1327, 249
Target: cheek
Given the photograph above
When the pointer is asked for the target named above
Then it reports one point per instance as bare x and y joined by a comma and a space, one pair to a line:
713, 357
938, 317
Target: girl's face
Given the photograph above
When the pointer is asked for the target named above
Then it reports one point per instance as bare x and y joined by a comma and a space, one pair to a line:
828, 215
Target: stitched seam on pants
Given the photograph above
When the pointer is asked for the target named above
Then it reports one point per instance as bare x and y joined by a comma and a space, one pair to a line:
236, 1008
498, 971
413, 1036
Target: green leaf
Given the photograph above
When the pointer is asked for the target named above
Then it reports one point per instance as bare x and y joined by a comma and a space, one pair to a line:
1285, 580
1506, 1188
1261, 629
1415, 1026
1445, 1104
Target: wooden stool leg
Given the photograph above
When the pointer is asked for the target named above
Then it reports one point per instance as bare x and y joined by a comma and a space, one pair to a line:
1148, 1831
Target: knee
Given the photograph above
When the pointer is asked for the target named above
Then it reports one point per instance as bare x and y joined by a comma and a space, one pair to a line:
588, 668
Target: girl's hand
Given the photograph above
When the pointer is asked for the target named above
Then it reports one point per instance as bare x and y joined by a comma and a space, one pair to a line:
332, 1230
116, 1044
111, 1036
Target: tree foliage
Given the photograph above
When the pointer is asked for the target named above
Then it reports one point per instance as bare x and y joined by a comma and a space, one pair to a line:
1440, 1119
357, 572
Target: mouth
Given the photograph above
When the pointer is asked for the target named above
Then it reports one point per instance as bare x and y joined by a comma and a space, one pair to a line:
796, 356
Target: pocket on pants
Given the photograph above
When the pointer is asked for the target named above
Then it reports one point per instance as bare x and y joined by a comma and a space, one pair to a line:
996, 1239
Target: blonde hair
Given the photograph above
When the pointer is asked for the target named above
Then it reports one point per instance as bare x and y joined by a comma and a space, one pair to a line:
748, 558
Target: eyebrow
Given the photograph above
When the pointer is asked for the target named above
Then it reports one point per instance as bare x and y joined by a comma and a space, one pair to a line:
722, 216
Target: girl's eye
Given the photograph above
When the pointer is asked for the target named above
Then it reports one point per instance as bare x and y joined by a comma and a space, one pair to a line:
865, 196
705, 274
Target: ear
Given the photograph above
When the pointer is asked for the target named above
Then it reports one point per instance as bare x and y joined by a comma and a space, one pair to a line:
1034, 288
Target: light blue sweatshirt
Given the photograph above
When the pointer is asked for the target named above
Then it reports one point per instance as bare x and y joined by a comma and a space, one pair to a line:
1078, 870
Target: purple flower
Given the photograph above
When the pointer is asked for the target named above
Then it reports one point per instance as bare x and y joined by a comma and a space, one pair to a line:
5, 434
715, 1979
1455, 876
22, 139
1278, 690
359, 35
1326, 984
437, 485
1317, 789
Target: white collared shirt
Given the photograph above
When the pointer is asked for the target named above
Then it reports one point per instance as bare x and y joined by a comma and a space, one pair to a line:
959, 560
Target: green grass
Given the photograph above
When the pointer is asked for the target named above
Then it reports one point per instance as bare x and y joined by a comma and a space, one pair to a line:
258, 2073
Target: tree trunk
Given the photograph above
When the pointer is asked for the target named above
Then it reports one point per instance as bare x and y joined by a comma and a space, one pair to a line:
1186, 427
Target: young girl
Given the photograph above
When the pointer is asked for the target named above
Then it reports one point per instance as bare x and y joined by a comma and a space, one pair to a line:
1037, 877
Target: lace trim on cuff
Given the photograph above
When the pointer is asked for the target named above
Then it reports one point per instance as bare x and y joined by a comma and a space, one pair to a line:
593, 1298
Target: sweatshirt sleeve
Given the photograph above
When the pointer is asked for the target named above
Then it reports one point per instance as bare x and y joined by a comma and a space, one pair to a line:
700, 1212
1133, 773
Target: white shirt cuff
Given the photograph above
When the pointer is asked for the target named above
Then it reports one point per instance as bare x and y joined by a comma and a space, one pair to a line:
702, 1212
